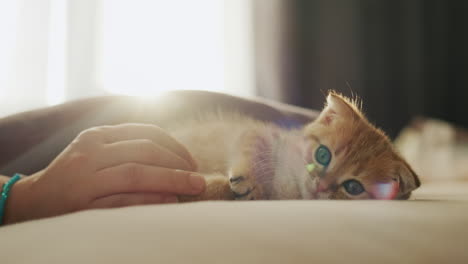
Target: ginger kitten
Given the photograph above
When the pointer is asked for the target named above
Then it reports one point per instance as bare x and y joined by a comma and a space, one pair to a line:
338, 156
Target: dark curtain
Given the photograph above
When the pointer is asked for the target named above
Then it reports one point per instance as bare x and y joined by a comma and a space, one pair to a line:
403, 58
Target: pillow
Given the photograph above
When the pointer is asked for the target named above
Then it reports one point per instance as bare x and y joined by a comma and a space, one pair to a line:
31, 140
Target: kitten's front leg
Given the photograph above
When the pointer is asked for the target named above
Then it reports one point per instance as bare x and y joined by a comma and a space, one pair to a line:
243, 186
246, 163
217, 188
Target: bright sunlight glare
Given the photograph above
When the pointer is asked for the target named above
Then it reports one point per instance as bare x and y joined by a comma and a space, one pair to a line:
151, 46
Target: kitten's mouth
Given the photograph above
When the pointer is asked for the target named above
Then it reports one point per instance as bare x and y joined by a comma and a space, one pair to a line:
320, 189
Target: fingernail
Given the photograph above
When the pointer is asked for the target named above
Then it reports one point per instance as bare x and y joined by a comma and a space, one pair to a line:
197, 182
171, 199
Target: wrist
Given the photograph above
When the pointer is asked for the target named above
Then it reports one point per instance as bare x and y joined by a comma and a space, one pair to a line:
18, 204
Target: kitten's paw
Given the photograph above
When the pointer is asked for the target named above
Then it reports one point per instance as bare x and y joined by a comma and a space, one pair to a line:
243, 188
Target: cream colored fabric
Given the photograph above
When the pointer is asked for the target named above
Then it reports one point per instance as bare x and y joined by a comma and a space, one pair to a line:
433, 228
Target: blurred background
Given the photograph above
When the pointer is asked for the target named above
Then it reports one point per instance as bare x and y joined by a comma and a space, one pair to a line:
403, 58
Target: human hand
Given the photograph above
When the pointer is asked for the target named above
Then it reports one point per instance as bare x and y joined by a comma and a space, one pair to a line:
108, 166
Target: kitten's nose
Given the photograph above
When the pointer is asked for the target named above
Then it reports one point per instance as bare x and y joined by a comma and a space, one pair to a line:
322, 186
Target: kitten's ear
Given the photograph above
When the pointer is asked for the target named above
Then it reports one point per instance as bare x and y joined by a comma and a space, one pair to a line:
337, 106
409, 181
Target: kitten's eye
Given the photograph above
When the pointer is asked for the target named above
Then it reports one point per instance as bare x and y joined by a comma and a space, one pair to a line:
323, 155
353, 187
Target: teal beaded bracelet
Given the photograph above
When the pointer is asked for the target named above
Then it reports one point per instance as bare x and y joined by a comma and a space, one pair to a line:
4, 196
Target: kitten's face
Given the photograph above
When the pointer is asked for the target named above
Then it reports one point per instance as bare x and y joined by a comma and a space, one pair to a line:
345, 157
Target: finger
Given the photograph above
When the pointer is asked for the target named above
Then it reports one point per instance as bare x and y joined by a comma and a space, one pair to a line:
129, 199
134, 177
140, 151
145, 131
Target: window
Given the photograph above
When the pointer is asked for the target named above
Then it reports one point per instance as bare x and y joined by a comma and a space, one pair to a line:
56, 50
